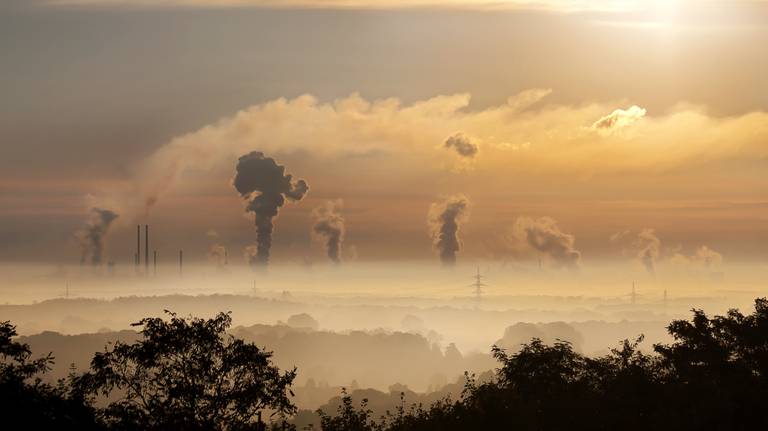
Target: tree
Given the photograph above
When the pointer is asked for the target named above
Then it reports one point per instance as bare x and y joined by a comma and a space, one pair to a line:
348, 418
187, 374
26, 399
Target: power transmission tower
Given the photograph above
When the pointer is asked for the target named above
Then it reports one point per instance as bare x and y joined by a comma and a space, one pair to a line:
478, 285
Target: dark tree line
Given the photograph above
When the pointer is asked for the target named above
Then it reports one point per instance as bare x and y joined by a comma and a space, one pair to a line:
188, 374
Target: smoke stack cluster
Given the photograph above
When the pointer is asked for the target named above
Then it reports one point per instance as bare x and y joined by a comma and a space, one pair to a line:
92, 236
329, 226
265, 186
444, 220
146, 251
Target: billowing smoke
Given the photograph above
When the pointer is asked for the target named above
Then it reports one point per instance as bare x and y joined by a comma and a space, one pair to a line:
619, 118
265, 185
217, 253
329, 226
703, 256
707, 256
646, 246
649, 248
545, 237
92, 236
462, 144
444, 220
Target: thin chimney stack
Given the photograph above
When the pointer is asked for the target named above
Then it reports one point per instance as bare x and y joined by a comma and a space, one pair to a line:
138, 246
146, 249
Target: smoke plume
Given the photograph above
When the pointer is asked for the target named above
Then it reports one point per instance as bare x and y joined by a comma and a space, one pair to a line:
217, 253
703, 256
545, 237
91, 237
649, 248
462, 144
329, 226
265, 186
646, 246
444, 220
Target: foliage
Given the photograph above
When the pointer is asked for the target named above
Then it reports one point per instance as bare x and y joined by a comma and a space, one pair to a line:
187, 374
26, 399
714, 376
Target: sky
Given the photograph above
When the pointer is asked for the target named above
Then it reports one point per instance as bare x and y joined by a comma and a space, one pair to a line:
569, 131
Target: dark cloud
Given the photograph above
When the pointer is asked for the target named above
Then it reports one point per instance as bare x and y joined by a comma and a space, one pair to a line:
545, 237
265, 186
329, 225
92, 236
444, 220
462, 144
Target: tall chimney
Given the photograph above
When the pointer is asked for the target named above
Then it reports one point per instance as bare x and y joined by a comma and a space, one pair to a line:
138, 246
146, 249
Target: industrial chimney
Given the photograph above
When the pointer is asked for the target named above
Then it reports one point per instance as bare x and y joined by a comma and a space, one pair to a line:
146, 250
138, 246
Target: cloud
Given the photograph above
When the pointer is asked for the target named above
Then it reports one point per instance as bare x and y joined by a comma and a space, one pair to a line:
618, 119
544, 237
548, 139
444, 221
555, 5
462, 144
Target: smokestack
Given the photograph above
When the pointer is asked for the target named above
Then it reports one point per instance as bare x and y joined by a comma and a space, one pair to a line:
138, 246
146, 249
181, 262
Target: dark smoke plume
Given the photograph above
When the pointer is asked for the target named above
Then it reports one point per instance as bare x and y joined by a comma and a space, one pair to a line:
265, 185
329, 225
444, 220
544, 236
92, 236
462, 144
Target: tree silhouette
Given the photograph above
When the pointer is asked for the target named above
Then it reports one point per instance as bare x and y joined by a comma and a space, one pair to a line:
26, 399
713, 377
187, 374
